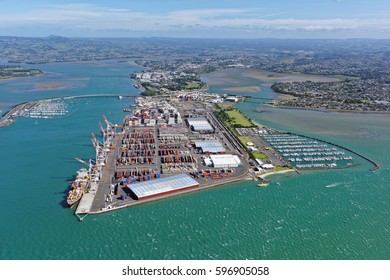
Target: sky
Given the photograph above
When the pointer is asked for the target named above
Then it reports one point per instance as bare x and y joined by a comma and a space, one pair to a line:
197, 19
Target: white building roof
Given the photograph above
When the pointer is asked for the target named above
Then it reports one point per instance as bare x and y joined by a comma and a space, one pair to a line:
199, 124
231, 98
267, 166
210, 146
160, 186
208, 162
226, 160
259, 161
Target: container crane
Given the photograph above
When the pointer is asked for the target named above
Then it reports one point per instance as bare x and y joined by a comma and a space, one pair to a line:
93, 173
100, 151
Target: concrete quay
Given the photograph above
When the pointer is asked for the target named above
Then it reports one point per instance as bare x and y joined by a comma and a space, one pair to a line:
111, 193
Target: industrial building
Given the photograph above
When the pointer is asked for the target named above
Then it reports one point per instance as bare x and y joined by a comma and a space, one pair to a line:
267, 166
199, 124
210, 147
222, 161
231, 99
162, 186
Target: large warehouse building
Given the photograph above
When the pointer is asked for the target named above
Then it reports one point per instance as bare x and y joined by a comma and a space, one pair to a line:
162, 186
223, 161
210, 147
200, 124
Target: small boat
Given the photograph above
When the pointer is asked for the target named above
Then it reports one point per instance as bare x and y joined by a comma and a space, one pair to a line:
263, 185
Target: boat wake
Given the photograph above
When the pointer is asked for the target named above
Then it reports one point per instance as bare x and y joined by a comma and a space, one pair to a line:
335, 185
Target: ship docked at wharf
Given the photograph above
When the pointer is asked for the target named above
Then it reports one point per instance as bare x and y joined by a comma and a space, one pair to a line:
86, 178
166, 147
78, 187
173, 145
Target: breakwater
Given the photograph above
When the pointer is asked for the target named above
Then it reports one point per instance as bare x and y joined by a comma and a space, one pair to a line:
22, 109
376, 165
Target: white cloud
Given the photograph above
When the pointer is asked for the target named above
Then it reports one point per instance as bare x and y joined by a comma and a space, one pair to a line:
95, 17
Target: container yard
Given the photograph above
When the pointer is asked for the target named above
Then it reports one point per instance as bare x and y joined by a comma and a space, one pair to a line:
162, 149
172, 145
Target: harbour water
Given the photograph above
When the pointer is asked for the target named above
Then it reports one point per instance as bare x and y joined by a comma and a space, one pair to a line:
332, 214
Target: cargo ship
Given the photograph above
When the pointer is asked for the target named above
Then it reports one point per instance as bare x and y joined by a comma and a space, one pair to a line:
78, 187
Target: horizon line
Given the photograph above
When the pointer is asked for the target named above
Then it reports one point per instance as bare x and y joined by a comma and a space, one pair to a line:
192, 38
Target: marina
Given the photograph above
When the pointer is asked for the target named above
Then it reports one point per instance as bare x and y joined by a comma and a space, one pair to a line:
166, 143
48, 110
306, 153
161, 150
240, 209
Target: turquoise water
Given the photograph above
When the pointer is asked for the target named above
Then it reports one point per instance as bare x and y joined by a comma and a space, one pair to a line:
340, 214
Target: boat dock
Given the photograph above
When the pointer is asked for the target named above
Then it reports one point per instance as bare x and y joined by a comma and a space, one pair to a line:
159, 142
171, 147
306, 153
26, 109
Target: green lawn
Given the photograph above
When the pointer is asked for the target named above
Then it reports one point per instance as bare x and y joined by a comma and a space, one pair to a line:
244, 139
280, 168
260, 155
193, 85
237, 118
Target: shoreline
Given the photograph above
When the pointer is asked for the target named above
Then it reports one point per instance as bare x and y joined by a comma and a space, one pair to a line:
248, 89
14, 78
167, 196
324, 110
277, 172
224, 76
266, 76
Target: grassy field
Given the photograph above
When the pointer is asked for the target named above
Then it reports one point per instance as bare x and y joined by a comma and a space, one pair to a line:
226, 106
193, 85
236, 118
258, 154
244, 139
280, 168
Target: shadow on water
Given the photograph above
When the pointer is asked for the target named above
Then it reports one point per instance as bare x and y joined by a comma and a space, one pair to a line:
65, 192
62, 177
73, 160
83, 145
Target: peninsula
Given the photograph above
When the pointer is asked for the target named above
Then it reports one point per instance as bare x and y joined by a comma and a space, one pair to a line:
181, 143
13, 71
342, 75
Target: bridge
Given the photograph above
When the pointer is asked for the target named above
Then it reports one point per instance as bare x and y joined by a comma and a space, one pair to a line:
90, 95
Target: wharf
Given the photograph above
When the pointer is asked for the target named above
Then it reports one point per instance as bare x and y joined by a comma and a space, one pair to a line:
91, 201
156, 142
159, 144
121, 204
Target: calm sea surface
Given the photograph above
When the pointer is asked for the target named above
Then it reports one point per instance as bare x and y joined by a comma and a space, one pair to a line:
341, 214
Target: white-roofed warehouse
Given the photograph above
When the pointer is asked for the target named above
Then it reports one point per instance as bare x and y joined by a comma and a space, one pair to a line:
199, 124
212, 147
225, 161
162, 186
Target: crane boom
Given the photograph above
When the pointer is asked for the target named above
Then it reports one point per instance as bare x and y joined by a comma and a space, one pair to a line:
82, 161
102, 129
